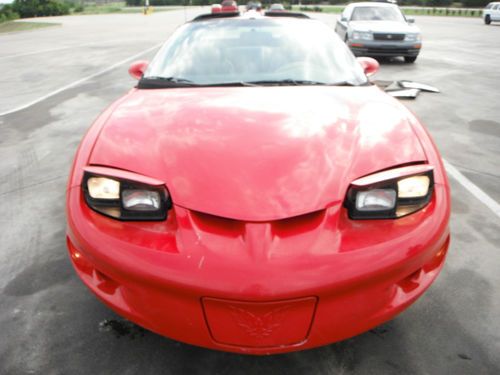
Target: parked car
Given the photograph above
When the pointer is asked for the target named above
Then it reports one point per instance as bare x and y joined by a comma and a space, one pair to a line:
379, 29
254, 5
216, 8
277, 8
491, 12
255, 193
229, 6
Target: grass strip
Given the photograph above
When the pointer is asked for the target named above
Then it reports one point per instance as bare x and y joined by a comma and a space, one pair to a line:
13, 26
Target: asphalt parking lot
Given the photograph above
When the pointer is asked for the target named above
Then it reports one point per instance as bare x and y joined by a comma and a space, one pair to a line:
55, 81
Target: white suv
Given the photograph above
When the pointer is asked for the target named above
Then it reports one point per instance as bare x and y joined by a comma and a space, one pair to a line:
491, 12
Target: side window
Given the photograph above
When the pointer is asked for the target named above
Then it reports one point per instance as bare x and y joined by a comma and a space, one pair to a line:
347, 13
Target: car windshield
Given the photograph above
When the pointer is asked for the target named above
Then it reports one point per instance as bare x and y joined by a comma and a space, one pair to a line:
259, 51
277, 7
377, 14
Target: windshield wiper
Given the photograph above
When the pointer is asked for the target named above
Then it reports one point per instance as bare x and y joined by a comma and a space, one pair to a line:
347, 83
169, 79
165, 82
228, 84
285, 82
300, 82
161, 82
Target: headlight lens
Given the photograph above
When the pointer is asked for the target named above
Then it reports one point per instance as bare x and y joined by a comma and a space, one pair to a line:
413, 38
362, 35
103, 188
376, 200
141, 200
414, 187
125, 199
390, 198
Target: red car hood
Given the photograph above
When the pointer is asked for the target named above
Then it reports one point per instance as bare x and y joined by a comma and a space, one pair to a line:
257, 153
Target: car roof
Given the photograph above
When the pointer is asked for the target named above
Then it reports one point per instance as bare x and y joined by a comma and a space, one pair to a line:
249, 15
371, 4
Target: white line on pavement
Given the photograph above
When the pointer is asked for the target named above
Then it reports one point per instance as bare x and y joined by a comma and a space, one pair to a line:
112, 42
472, 188
76, 83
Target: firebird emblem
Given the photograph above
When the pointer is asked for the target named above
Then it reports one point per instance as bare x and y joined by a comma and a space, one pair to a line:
260, 326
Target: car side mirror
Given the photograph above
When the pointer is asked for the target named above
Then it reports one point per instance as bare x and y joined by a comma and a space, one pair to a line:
138, 68
370, 66
410, 19
343, 19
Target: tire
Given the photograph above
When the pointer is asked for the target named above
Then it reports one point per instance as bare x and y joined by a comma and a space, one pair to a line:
410, 59
487, 19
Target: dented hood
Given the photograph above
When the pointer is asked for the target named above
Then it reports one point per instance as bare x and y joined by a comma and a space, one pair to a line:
257, 153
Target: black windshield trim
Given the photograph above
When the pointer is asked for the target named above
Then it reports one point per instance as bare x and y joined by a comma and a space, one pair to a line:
161, 84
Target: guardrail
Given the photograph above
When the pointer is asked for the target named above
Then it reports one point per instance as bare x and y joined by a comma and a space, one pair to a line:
437, 11
409, 10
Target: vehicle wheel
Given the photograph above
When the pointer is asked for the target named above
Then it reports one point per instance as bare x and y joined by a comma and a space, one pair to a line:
487, 19
410, 59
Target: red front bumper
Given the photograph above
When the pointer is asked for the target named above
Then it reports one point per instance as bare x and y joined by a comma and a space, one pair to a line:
259, 288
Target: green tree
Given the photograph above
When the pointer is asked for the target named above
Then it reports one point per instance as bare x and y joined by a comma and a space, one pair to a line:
40, 8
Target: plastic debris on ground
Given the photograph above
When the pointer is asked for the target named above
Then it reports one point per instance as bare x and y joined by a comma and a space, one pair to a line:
404, 89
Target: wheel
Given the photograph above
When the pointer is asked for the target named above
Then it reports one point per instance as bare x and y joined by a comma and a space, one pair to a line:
487, 19
410, 59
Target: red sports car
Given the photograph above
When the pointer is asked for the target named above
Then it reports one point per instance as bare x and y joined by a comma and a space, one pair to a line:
255, 193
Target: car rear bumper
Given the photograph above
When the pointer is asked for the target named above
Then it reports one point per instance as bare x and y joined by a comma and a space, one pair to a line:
263, 301
384, 49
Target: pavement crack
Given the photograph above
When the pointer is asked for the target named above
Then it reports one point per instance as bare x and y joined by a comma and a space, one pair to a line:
29, 186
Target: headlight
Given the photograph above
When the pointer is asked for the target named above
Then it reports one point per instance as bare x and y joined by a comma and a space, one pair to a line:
141, 200
390, 194
414, 187
376, 200
413, 37
103, 188
125, 199
362, 35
